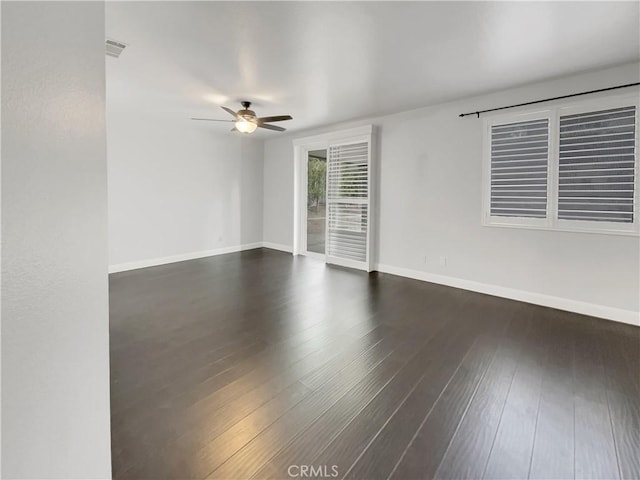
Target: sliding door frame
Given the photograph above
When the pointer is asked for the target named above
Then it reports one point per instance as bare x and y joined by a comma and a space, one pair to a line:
301, 148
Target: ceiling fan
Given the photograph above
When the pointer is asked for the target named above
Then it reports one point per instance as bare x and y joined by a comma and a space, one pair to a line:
246, 120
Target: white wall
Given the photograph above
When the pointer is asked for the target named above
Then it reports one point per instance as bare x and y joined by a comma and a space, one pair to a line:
55, 337
430, 204
176, 188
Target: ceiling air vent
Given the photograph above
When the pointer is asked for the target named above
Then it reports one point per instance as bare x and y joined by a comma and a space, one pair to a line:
114, 48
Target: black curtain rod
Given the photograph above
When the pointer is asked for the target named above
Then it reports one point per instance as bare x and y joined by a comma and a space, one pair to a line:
549, 99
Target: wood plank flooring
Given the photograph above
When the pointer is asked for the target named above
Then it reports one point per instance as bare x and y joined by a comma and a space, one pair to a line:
263, 365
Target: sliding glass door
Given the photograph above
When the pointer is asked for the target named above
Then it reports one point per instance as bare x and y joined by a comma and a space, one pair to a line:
333, 197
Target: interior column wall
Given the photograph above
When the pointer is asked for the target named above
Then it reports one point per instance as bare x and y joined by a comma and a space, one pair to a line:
55, 325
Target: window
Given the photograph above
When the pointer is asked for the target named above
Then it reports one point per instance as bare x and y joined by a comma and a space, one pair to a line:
566, 168
519, 169
597, 166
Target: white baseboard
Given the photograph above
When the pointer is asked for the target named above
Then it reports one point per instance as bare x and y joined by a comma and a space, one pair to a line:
152, 262
585, 308
277, 246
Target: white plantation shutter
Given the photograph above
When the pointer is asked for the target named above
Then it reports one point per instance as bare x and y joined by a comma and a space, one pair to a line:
597, 157
348, 192
519, 169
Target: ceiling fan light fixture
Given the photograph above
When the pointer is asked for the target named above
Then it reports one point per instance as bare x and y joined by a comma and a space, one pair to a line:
246, 121
246, 126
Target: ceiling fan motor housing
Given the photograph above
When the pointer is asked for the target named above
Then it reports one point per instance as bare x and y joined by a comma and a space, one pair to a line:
247, 114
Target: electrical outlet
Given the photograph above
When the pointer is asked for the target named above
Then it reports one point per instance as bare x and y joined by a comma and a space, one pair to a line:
443, 260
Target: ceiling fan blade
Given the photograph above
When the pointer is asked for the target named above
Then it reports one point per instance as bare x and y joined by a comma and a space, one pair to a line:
277, 118
212, 120
231, 112
271, 127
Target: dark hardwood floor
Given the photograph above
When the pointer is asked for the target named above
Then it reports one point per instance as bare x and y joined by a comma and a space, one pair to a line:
259, 365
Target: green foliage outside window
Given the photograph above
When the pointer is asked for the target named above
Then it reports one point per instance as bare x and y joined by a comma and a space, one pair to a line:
316, 182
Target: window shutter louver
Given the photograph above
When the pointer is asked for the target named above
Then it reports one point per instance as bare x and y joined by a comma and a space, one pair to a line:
348, 203
597, 165
519, 168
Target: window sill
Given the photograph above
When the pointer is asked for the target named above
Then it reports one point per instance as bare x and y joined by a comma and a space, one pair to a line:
566, 228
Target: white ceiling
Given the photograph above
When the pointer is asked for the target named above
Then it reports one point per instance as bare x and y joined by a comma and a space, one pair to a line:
328, 62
